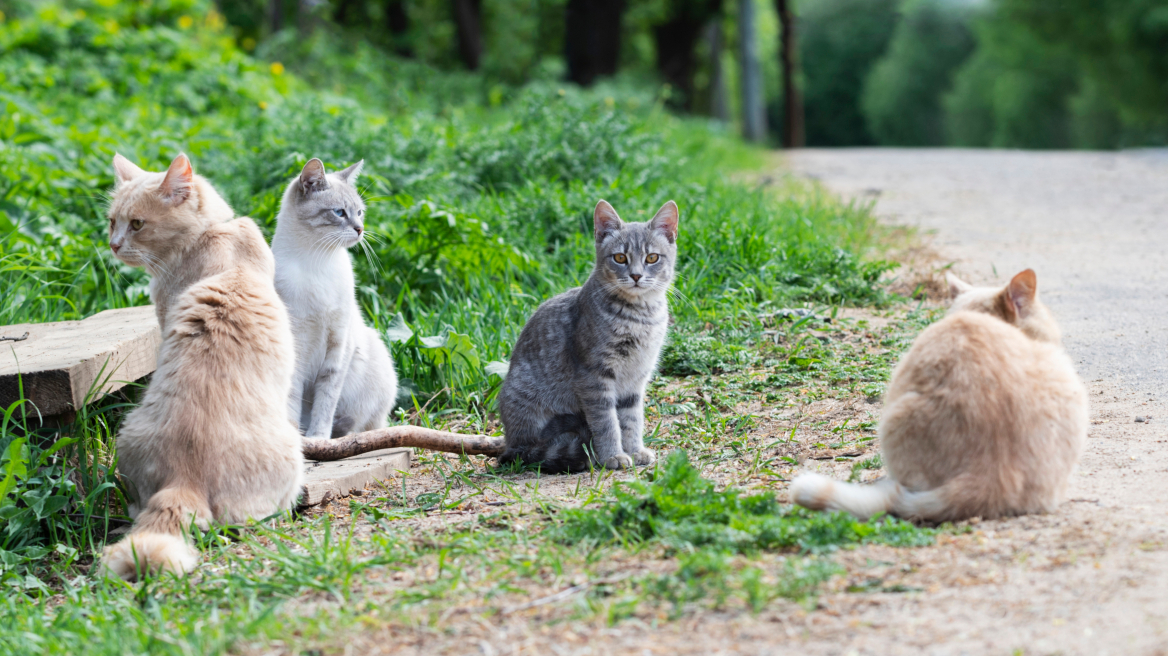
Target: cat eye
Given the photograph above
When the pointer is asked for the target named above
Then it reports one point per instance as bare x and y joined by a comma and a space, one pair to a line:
620, 258
340, 213
652, 258
137, 224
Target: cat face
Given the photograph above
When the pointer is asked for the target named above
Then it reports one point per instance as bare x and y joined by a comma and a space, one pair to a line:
636, 259
1017, 304
155, 215
326, 205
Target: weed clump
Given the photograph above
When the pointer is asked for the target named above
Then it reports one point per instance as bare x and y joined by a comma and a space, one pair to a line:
683, 511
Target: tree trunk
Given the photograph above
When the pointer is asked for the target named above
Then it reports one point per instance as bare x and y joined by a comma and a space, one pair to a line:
719, 108
793, 131
592, 39
323, 449
398, 23
753, 104
276, 15
675, 40
468, 17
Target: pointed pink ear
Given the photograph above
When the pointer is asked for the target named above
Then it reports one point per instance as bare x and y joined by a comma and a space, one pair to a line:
957, 286
312, 176
124, 169
605, 220
179, 181
666, 220
1022, 290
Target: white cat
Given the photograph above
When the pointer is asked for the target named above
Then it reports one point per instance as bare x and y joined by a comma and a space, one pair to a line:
345, 381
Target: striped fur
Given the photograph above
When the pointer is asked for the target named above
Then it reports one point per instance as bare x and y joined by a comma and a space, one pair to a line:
575, 390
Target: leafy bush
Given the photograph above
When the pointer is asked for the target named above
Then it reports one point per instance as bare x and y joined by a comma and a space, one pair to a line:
839, 42
902, 95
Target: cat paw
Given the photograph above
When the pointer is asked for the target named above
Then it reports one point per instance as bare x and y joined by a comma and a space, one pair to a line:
644, 457
620, 461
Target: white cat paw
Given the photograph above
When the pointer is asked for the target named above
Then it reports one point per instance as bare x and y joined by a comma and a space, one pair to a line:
621, 461
644, 457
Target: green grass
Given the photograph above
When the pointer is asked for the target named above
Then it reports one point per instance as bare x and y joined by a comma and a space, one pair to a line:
479, 209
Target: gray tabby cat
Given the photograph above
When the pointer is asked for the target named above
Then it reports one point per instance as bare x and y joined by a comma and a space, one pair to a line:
344, 379
578, 372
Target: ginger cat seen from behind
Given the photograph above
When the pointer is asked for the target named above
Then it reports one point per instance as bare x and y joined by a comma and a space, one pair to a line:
210, 441
984, 416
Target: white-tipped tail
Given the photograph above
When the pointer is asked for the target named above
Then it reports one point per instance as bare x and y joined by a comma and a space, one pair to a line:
142, 553
822, 493
157, 542
819, 492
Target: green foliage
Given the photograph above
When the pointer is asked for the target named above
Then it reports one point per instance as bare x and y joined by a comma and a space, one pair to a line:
1085, 75
902, 95
684, 511
839, 42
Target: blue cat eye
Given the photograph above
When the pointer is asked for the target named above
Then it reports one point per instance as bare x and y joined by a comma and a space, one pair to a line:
340, 213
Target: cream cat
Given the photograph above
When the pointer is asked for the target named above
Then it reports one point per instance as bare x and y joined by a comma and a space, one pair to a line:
344, 382
210, 441
984, 416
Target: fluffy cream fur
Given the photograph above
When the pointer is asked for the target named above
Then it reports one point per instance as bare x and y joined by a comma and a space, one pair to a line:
210, 441
984, 416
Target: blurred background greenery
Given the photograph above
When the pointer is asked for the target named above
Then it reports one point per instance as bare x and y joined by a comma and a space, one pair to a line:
982, 73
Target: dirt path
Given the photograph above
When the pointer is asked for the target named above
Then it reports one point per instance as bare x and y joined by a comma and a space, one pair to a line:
1092, 578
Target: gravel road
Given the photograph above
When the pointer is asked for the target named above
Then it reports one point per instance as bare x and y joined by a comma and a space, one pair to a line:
1094, 226
1093, 577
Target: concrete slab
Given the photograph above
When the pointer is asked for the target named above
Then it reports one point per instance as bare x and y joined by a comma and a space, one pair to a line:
64, 364
331, 480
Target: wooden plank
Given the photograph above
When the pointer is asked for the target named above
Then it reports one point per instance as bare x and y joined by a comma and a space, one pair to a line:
331, 480
61, 362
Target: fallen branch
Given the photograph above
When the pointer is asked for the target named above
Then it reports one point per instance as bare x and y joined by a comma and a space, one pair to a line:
398, 436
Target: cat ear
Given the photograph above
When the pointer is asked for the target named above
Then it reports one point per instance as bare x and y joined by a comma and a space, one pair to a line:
350, 174
180, 178
124, 169
312, 177
957, 286
605, 220
666, 221
1022, 292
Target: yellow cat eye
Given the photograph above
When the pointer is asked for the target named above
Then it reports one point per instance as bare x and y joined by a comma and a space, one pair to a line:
137, 224
652, 258
620, 258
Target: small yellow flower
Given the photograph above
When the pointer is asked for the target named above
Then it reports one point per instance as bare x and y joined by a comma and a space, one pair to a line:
263, 105
277, 68
248, 43
185, 22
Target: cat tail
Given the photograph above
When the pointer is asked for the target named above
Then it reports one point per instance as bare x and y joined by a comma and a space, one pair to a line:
157, 542
819, 492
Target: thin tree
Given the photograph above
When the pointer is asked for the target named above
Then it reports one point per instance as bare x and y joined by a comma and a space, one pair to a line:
398, 23
468, 18
753, 107
592, 38
719, 107
676, 39
793, 131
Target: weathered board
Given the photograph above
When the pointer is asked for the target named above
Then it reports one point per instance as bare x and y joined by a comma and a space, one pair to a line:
65, 364
339, 478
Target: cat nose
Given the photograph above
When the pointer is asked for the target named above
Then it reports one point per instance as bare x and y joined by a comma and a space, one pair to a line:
635, 276
115, 247
360, 230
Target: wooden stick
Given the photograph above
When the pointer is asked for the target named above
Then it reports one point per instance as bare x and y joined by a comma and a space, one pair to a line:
398, 436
